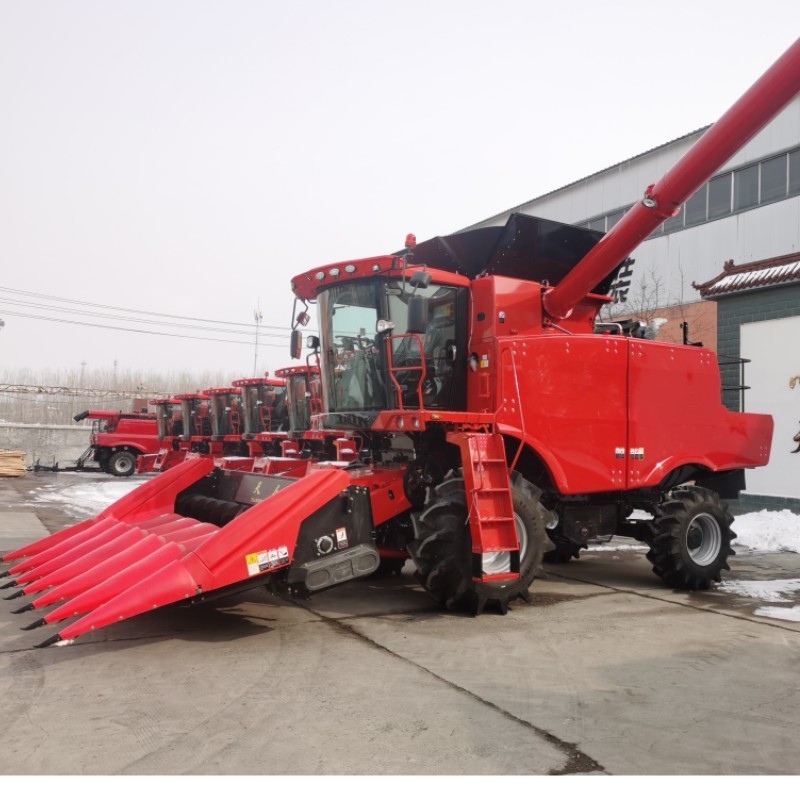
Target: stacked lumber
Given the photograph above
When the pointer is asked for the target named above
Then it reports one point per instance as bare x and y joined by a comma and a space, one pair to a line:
12, 463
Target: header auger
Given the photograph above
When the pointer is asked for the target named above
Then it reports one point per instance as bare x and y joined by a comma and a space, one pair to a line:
471, 419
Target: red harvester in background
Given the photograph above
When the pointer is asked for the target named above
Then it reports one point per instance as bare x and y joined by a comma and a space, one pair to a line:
118, 439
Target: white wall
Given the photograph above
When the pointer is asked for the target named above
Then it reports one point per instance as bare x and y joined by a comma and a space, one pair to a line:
774, 348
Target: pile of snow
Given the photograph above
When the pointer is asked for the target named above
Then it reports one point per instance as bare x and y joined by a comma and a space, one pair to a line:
767, 532
89, 498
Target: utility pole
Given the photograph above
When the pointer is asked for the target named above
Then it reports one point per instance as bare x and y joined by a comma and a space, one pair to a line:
258, 317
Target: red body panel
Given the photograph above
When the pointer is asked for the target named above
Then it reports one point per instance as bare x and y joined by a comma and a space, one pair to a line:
565, 396
676, 417
137, 433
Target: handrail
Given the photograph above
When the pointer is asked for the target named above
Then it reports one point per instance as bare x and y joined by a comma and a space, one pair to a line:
392, 369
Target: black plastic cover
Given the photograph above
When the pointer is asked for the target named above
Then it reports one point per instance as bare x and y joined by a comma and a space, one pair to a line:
526, 247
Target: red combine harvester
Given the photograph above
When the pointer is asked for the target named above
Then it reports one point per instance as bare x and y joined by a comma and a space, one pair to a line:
492, 421
184, 427
118, 439
266, 416
304, 400
169, 419
236, 424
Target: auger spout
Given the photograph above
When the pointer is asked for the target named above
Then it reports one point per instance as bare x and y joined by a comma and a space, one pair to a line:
764, 100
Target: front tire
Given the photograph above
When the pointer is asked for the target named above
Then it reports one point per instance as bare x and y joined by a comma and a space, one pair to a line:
442, 549
692, 539
122, 463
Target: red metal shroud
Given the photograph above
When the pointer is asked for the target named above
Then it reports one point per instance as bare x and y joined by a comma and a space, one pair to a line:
745, 118
235, 553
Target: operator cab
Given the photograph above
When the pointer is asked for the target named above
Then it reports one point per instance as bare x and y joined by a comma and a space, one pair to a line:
392, 344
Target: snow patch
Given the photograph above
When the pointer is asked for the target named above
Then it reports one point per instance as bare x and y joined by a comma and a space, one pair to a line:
776, 612
777, 591
88, 498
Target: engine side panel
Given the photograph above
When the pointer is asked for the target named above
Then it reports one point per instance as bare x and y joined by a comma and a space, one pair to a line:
566, 397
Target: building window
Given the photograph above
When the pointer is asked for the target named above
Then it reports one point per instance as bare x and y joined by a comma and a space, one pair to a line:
719, 196
674, 223
794, 172
773, 179
696, 206
761, 182
745, 188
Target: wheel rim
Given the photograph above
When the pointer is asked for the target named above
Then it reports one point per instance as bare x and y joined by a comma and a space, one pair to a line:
703, 539
124, 464
500, 563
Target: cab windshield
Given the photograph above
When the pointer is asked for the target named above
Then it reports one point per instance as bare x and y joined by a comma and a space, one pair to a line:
353, 364
356, 376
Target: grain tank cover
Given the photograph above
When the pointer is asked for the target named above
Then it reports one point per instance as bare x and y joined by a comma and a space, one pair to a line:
529, 248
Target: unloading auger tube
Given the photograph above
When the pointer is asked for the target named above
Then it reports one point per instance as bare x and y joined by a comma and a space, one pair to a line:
764, 100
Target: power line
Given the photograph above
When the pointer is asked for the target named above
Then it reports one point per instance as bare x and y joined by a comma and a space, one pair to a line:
247, 325
97, 314
138, 330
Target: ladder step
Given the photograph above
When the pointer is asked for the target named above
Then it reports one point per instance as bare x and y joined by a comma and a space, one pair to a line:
505, 576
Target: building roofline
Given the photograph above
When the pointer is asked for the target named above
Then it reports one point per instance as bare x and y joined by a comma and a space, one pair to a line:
752, 275
512, 209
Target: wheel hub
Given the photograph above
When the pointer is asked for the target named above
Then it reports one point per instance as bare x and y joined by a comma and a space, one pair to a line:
704, 539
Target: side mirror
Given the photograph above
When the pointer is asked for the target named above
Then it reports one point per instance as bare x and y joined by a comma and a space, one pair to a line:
417, 314
296, 344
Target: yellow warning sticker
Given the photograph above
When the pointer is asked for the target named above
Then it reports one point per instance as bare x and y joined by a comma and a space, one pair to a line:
252, 563
256, 562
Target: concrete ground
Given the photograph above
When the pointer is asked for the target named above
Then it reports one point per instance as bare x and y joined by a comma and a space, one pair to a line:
606, 672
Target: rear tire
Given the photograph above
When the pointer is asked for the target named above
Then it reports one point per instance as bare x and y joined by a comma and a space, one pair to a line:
442, 550
122, 463
692, 538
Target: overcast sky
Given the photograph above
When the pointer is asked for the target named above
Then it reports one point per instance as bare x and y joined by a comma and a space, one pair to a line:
188, 157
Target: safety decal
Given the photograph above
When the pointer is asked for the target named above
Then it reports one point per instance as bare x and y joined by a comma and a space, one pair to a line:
265, 560
637, 453
484, 361
341, 537
619, 452
257, 562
